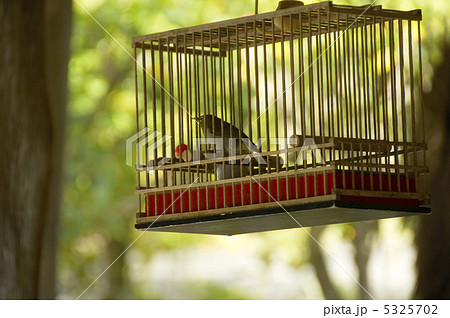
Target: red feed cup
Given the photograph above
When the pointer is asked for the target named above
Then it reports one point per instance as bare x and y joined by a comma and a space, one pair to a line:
180, 149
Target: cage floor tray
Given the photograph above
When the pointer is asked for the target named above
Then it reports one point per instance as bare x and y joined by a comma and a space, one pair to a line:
300, 201
320, 213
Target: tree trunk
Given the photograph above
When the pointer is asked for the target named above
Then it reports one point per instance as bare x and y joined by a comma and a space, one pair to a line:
433, 240
363, 246
34, 36
317, 260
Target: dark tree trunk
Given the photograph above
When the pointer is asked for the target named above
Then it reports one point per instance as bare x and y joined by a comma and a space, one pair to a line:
433, 240
34, 37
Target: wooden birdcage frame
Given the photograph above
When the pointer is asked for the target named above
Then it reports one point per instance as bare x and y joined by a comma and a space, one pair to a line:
346, 81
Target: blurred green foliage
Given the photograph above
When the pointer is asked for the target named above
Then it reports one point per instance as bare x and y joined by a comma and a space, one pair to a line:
99, 202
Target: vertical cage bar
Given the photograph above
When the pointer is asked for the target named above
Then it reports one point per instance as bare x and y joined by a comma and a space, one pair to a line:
257, 105
232, 95
292, 88
144, 85
214, 111
357, 113
204, 101
240, 105
367, 108
249, 102
275, 103
394, 100
319, 77
328, 77
311, 95
212, 62
222, 109
413, 104
190, 123
137, 129
403, 104
163, 112
283, 89
153, 117
385, 99
425, 176
171, 110
302, 88
340, 96
355, 73
196, 70
180, 112
171, 118
266, 103
375, 106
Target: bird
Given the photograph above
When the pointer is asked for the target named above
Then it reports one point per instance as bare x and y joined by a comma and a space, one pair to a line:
285, 4
211, 127
286, 25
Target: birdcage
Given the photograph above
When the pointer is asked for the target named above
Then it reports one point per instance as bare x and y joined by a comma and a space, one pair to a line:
322, 108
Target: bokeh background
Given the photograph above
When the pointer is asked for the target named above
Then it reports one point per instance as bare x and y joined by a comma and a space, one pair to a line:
99, 202
393, 259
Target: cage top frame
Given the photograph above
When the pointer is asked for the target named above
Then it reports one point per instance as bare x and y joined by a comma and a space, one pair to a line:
251, 26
